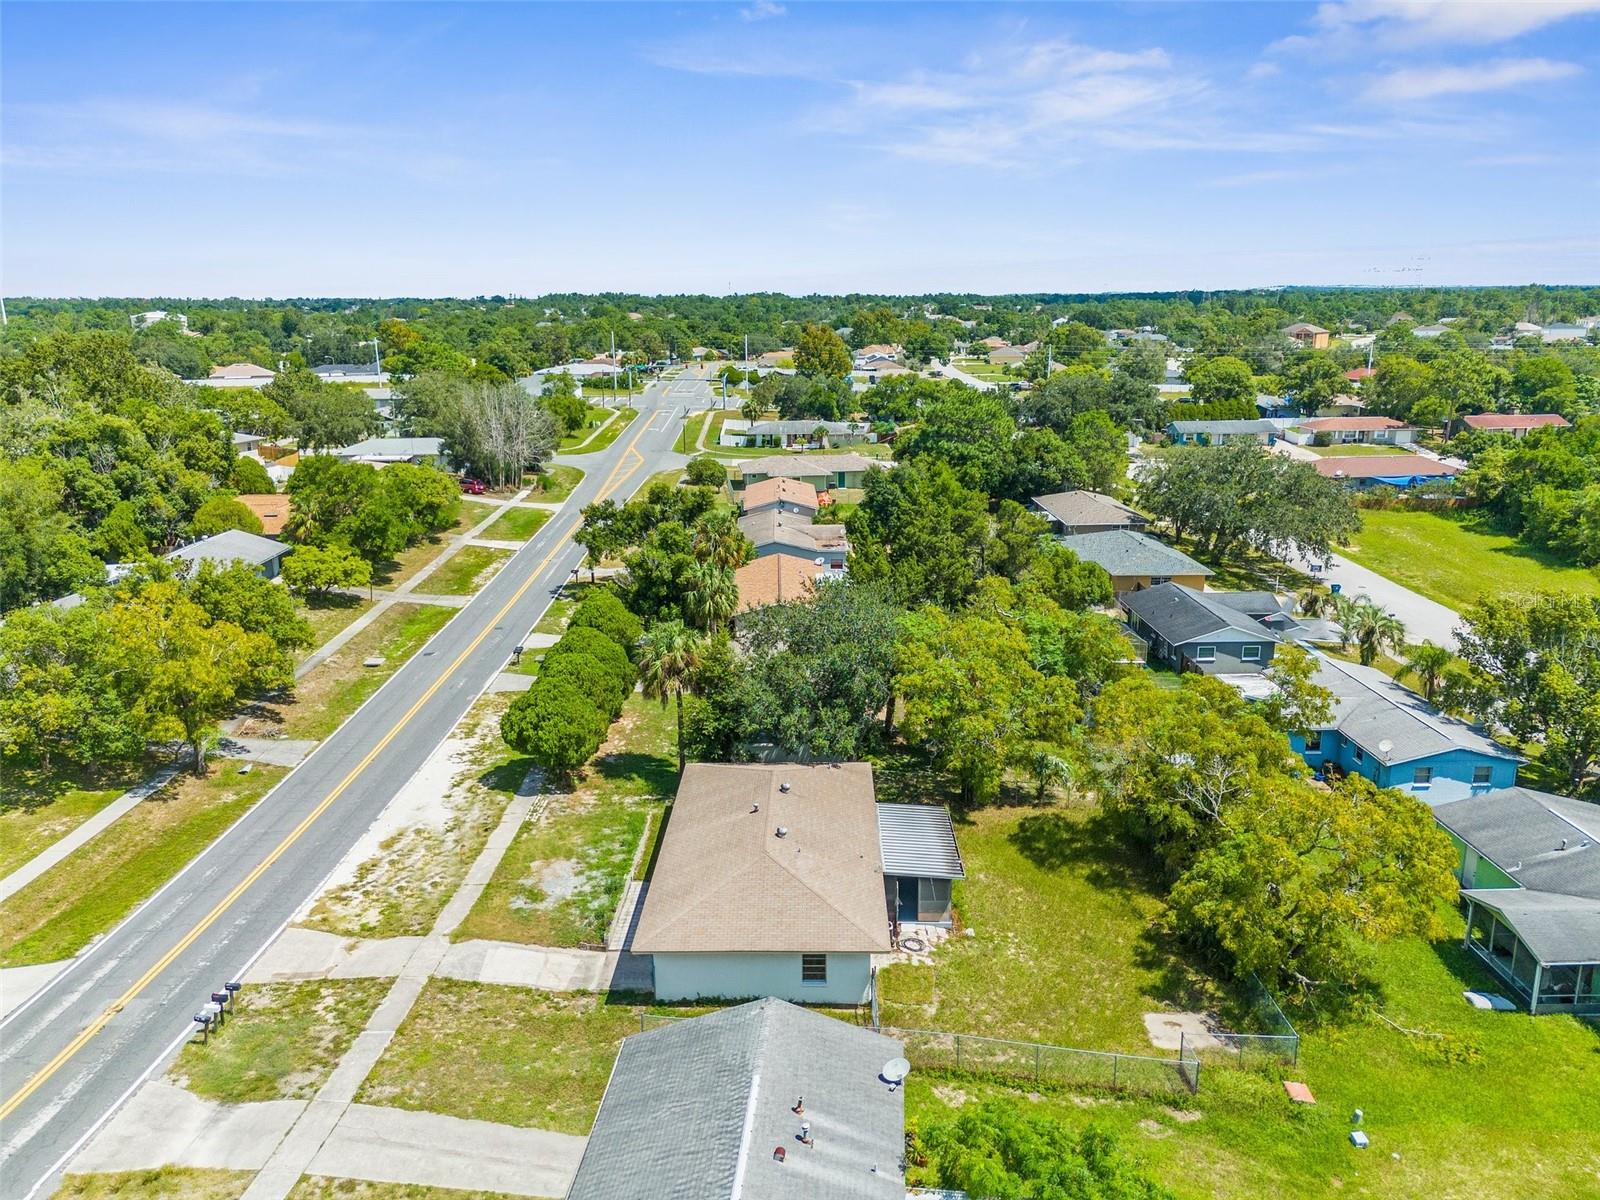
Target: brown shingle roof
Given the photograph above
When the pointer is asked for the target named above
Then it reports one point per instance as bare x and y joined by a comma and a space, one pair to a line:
1351, 424
1368, 465
1504, 421
788, 491
774, 579
271, 510
725, 882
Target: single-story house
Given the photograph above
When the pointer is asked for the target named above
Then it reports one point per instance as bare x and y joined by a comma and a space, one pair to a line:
272, 509
1377, 431
1192, 631
993, 343
776, 358
1342, 405
1391, 735
764, 1101
1218, 433
1430, 331
1516, 424
1565, 333
1530, 885
770, 881
235, 545
1380, 470
1083, 511
880, 368
778, 579
1280, 407
1136, 560
775, 532
825, 472
739, 433
248, 443
379, 450
351, 373
877, 352
783, 495
1360, 375
245, 374
1314, 337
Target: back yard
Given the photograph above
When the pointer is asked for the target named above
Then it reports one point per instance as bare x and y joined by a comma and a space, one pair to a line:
1454, 558
1467, 1102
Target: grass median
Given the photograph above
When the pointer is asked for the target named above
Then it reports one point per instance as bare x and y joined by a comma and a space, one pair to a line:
605, 436
37, 811
92, 889
517, 524
465, 571
162, 1183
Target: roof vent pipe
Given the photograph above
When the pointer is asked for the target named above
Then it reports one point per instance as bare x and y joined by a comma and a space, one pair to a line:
782, 831
784, 786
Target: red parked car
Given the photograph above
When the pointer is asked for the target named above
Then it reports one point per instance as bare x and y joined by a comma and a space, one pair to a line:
474, 487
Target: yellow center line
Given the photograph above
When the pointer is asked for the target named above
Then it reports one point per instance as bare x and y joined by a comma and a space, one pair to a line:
55, 1064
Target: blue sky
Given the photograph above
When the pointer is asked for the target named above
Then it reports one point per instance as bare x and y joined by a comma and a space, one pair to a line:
459, 149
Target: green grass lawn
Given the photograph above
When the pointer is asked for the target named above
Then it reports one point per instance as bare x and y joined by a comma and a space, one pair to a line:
594, 415
409, 561
1497, 1103
512, 1055
331, 616
33, 818
562, 876
606, 436
323, 1187
281, 1042
97, 885
163, 1183
465, 571
1454, 559
554, 483
329, 694
1355, 450
689, 435
469, 513
1248, 570
517, 524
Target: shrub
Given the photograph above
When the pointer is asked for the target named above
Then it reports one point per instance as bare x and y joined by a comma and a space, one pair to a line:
555, 724
597, 646
706, 471
220, 514
593, 678
318, 570
603, 610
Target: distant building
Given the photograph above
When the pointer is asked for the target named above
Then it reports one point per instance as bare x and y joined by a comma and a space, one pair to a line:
1565, 333
1430, 331
1219, 433
1516, 424
1385, 470
155, 316
247, 443
1084, 511
364, 373
272, 509
825, 472
235, 545
1313, 337
244, 374
1351, 430
742, 434
381, 450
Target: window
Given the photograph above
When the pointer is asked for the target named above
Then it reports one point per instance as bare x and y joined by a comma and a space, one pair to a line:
1158, 579
1250, 654
813, 968
1314, 742
1358, 754
1205, 654
1481, 774
1422, 776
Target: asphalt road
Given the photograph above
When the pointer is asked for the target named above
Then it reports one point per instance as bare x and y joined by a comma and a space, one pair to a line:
72, 1053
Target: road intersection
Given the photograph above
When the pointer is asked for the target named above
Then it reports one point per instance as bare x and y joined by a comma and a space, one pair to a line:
75, 1050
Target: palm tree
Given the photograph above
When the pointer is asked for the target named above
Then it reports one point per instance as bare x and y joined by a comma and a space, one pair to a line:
1429, 664
1374, 630
718, 540
1317, 602
712, 595
752, 409
669, 655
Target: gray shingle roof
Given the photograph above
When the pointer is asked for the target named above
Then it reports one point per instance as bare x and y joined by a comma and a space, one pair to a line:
770, 527
1126, 552
695, 1109
1519, 825
231, 546
1372, 710
1084, 507
808, 466
1183, 615
394, 447
918, 840
1188, 427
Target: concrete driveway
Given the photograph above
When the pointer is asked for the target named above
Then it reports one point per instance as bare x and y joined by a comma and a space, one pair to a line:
1424, 619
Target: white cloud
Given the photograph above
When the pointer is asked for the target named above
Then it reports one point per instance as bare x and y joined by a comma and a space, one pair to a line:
1350, 25
1263, 70
761, 10
1423, 83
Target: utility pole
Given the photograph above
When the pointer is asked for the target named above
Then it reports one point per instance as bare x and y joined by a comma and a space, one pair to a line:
3, 319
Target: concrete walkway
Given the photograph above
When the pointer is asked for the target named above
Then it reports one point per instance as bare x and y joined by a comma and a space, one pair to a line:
274, 752
1424, 619
951, 371
93, 827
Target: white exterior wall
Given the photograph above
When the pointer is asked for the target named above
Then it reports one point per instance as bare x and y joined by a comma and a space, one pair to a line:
741, 976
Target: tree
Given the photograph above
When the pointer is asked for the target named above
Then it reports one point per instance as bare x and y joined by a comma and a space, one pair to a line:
42, 555
248, 477
321, 570
1217, 380
1314, 380
821, 351
752, 409
1298, 703
971, 432
1537, 664
1371, 627
1398, 386
705, 471
602, 610
718, 540
1427, 663
501, 431
119, 538
1543, 383
238, 595
921, 532
972, 694
222, 513
561, 401
555, 724
179, 671
669, 653
1003, 1148
713, 595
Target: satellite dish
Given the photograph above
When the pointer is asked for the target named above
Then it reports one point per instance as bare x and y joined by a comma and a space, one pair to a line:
1385, 746
895, 1070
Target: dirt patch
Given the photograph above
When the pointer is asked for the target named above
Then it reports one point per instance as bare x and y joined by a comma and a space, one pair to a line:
1186, 1030
1154, 1129
1089, 1101
1183, 1115
953, 1096
553, 883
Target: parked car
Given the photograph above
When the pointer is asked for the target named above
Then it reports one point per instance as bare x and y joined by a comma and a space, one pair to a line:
474, 487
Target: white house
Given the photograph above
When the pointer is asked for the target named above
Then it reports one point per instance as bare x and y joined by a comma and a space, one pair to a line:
244, 374
771, 881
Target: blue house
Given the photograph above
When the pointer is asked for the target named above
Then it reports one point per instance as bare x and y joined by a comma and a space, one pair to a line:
1220, 433
1392, 736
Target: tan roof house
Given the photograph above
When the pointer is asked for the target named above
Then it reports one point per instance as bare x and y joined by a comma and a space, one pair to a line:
1378, 431
777, 579
271, 509
775, 532
784, 495
771, 881
1516, 424
1314, 337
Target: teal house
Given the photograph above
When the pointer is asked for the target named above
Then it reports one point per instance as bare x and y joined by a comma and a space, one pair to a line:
1529, 869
